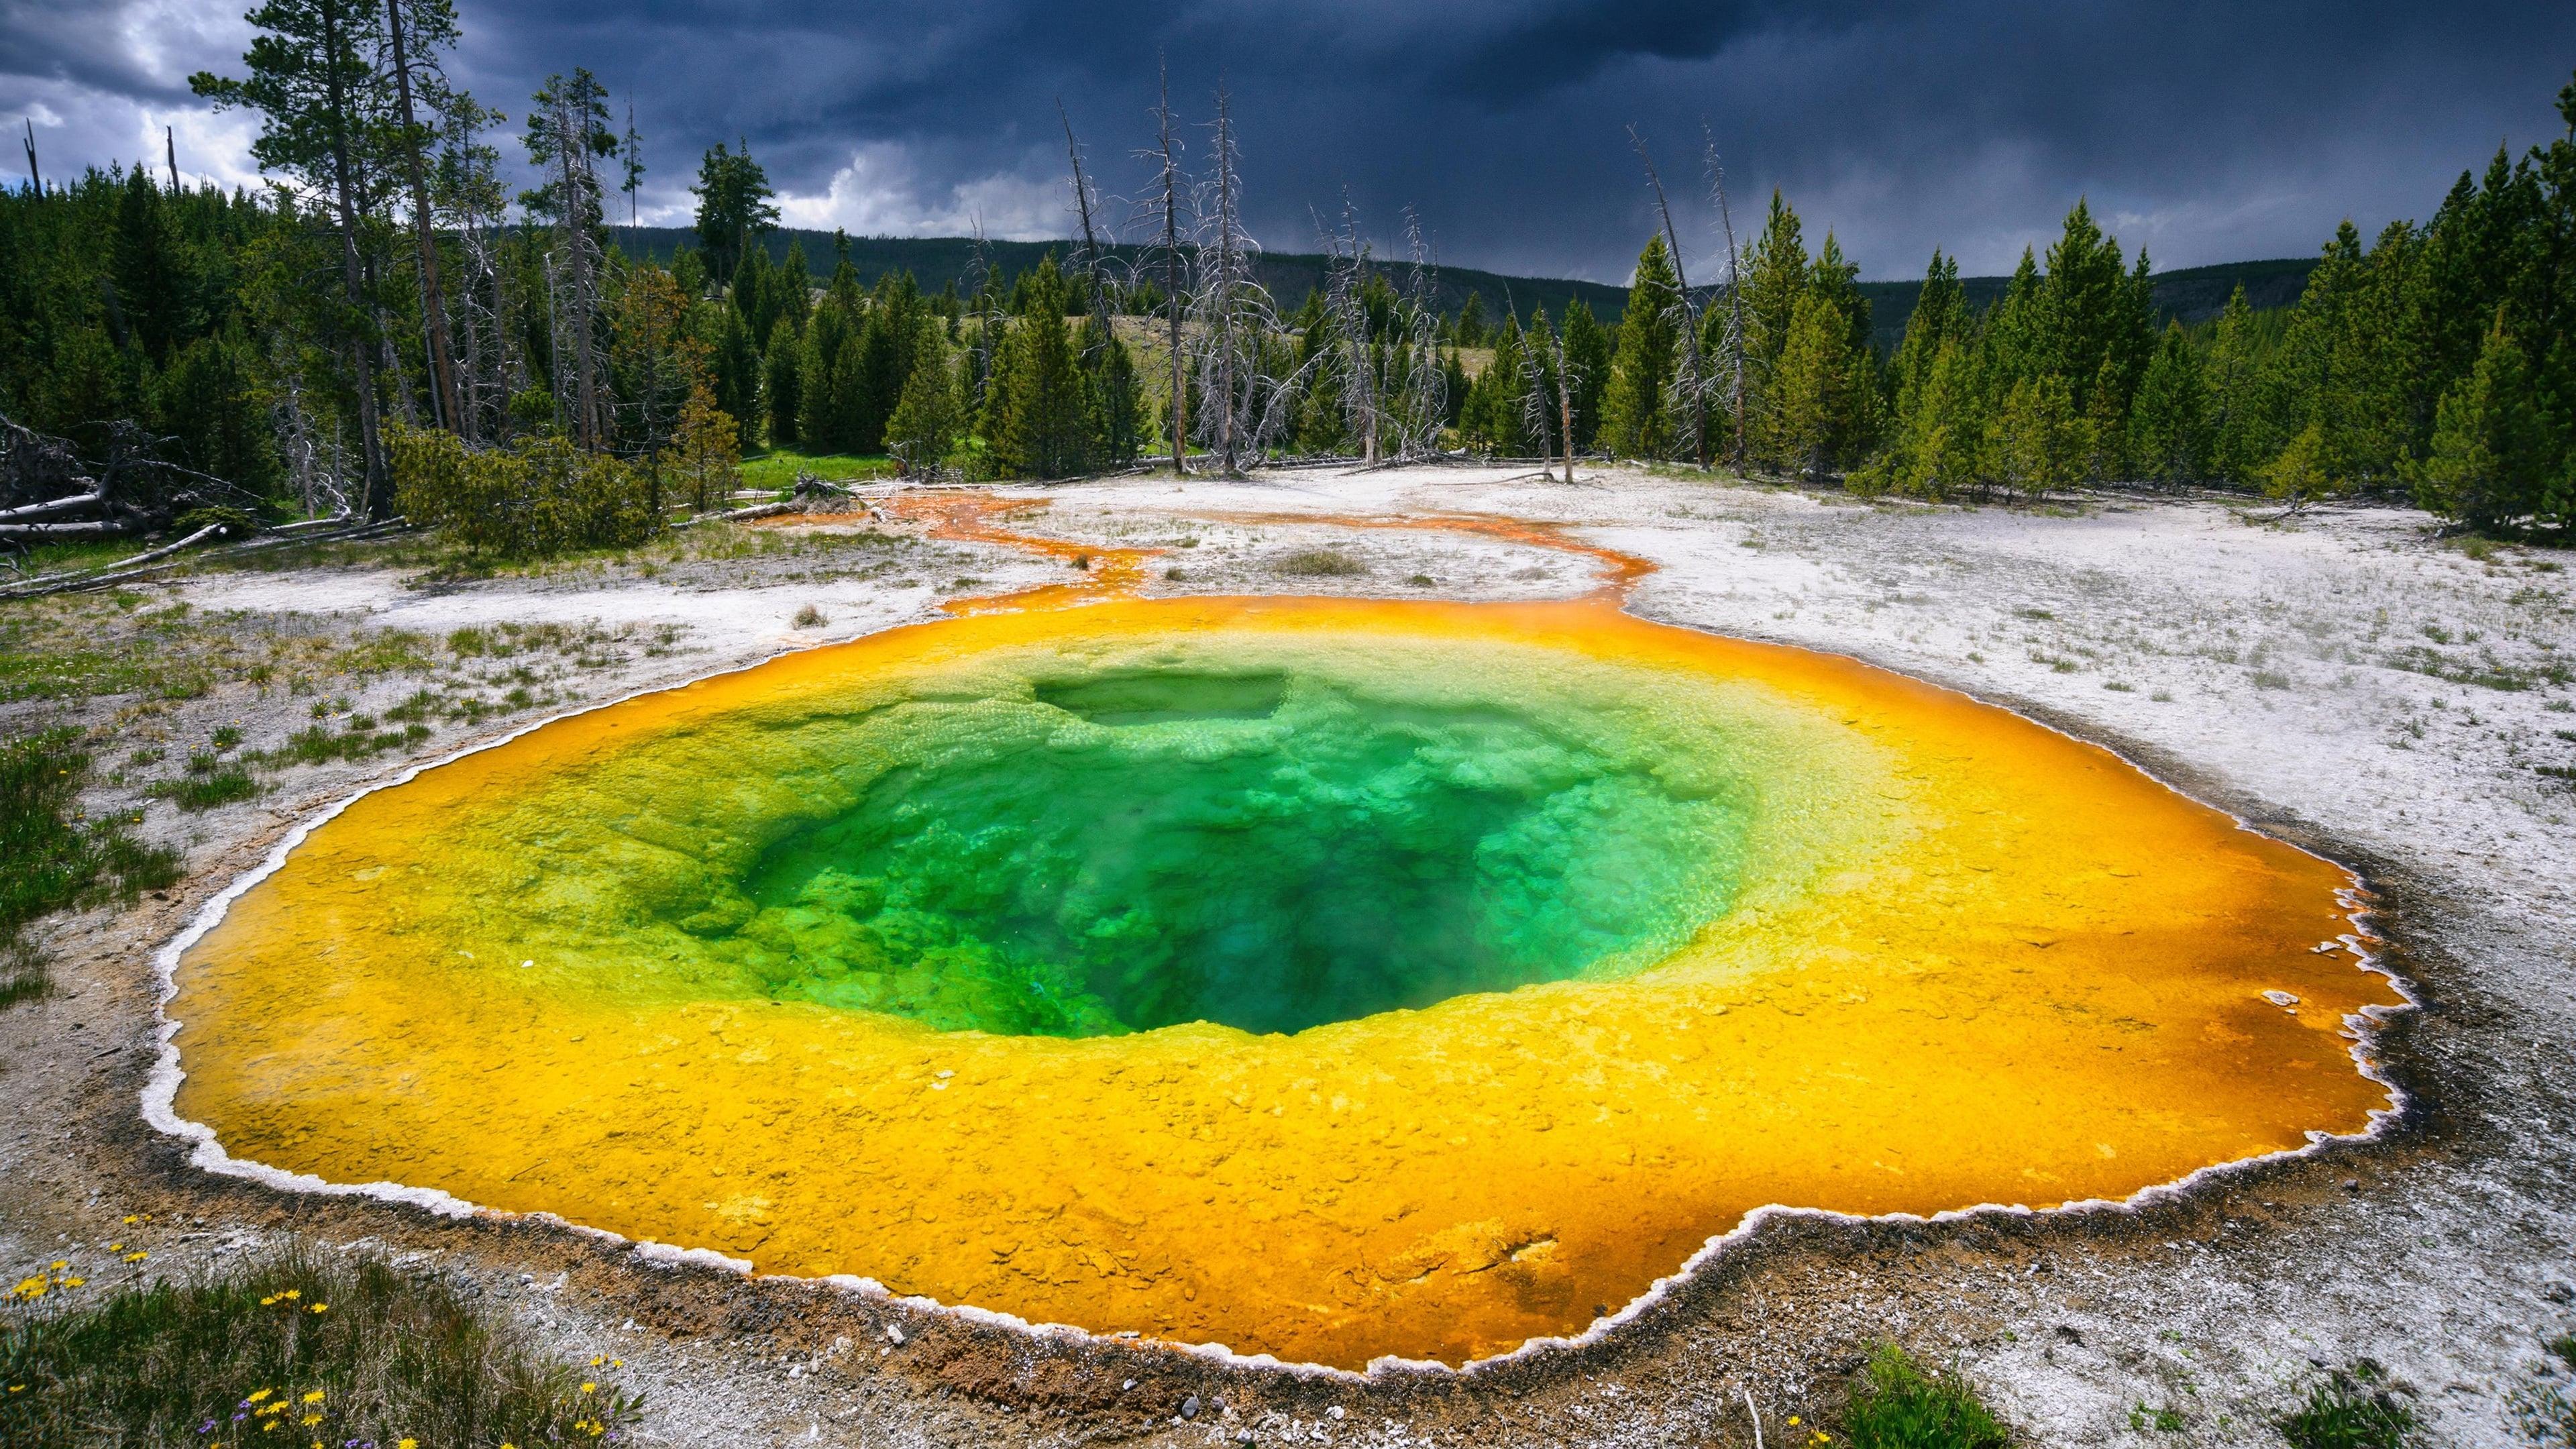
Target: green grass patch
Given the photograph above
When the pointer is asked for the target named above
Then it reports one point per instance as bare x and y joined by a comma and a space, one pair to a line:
55, 858
778, 467
318, 745
2352, 1409
208, 788
294, 1350
1896, 1405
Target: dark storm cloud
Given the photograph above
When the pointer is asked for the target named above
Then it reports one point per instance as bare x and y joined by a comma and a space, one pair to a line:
2206, 132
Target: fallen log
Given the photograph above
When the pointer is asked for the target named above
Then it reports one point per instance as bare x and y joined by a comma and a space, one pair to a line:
758, 510
30, 512
44, 532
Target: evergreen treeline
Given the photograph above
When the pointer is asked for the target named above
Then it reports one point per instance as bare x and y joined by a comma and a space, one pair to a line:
389, 308
2434, 361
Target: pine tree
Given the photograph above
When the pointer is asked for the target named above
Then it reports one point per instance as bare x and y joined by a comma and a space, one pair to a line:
928, 418
1835, 281
204, 403
1116, 392
781, 373
734, 207
2030, 443
2303, 470
1774, 280
2489, 461
1588, 349
1470, 330
1940, 314
313, 82
2169, 438
1043, 426
1634, 420
704, 459
734, 368
155, 295
1493, 419
2243, 435
1807, 416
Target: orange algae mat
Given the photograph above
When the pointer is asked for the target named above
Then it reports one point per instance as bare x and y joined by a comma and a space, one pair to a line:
1651, 928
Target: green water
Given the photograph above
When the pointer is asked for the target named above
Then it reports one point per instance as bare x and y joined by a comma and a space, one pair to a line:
1132, 848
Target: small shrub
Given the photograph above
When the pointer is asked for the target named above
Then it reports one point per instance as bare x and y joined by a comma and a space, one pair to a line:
327, 1351
810, 617
1320, 563
1897, 1406
2352, 1409
543, 497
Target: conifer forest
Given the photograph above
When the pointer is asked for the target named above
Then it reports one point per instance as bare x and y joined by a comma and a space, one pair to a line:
387, 329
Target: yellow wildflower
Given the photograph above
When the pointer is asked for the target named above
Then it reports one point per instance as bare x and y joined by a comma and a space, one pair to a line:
60, 1265
407, 1444
255, 1398
272, 1298
292, 1293
137, 1256
1793, 1421
131, 1219
314, 1397
116, 1247
312, 1419
589, 1388
74, 1282
321, 1307
31, 1289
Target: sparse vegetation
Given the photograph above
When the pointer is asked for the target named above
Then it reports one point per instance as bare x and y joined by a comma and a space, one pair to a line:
1320, 563
328, 1350
1896, 1405
2352, 1409
56, 858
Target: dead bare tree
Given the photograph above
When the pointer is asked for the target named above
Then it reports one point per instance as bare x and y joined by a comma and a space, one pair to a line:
1166, 200
470, 199
52, 489
1086, 261
568, 131
1555, 374
1690, 412
1734, 296
1425, 406
1351, 363
1241, 405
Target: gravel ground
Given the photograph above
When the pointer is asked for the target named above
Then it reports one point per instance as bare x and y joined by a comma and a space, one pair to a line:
2343, 680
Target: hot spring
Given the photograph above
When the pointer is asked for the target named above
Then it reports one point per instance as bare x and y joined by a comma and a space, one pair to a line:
1324, 979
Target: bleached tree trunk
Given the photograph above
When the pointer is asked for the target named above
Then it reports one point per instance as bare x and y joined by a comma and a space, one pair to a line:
1346, 310
1173, 292
1694, 413
1734, 300
1426, 393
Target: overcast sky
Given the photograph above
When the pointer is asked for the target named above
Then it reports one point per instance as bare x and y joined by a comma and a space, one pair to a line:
2207, 132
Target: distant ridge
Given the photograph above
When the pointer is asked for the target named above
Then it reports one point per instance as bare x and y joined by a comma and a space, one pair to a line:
937, 261
2191, 294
